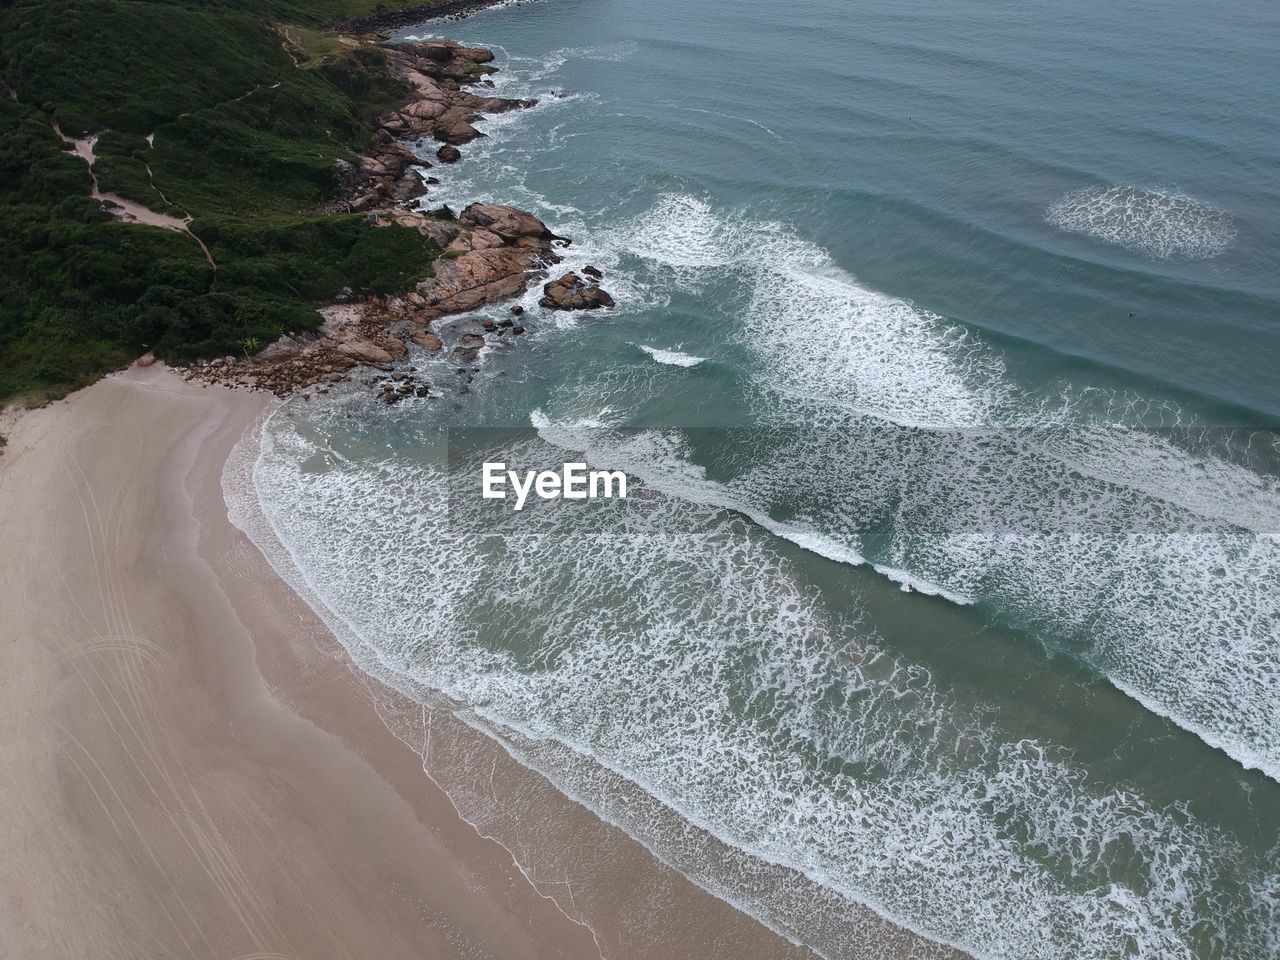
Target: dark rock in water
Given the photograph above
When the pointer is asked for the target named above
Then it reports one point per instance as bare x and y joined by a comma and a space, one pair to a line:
506, 321
449, 154
517, 329
488, 325
471, 340
593, 272
571, 292
517, 310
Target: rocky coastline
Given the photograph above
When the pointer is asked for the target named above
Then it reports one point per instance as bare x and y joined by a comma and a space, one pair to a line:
488, 253
408, 16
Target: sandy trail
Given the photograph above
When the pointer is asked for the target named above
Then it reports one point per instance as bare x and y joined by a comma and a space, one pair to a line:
121, 208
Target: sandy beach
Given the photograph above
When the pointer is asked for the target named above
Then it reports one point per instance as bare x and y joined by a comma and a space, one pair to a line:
194, 769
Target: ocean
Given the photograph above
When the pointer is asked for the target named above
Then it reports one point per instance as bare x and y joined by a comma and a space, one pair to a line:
944, 367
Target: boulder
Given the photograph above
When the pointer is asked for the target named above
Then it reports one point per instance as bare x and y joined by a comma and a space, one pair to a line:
365, 351
507, 222
428, 341
449, 154
441, 234
455, 126
571, 292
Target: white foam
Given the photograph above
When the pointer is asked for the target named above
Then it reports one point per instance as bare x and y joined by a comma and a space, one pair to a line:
839, 365
672, 358
1166, 226
816, 332
667, 642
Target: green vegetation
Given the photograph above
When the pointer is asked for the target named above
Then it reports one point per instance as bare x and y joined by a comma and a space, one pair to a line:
250, 103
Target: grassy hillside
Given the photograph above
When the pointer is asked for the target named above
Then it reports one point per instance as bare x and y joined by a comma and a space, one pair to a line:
245, 136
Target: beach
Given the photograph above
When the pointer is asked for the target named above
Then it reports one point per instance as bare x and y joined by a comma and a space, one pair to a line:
938, 619
193, 768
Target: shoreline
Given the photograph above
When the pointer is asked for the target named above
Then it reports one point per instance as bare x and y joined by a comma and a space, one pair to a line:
486, 255
422, 13
193, 754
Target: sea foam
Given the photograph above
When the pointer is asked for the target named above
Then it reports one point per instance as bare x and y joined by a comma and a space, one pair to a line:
1165, 226
665, 641
672, 358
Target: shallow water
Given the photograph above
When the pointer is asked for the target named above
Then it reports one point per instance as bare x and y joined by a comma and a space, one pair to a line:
976, 299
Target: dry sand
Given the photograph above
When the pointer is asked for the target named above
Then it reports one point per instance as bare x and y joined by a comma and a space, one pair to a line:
193, 769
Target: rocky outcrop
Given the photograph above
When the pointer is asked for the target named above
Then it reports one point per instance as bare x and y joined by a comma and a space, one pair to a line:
438, 109
496, 254
387, 176
571, 292
489, 253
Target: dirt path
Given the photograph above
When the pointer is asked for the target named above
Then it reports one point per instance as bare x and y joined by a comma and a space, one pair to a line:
122, 208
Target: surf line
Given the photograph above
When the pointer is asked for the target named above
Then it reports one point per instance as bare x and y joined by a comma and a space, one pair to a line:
572, 482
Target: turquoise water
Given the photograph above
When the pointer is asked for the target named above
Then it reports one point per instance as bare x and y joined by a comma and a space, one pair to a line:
978, 298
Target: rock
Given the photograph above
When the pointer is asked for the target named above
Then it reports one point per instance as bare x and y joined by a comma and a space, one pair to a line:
408, 187
284, 348
428, 341
593, 272
507, 222
571, 292
495, 257
441, 234
517, 310
437, 52
455, 126
365, 351
346, 173
146, 360
449, 154
471, 340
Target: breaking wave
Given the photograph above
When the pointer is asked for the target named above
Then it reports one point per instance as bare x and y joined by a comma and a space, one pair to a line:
672, 358
668, 643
